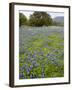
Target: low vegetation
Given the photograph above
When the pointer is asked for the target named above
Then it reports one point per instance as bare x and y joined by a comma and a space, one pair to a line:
41, 53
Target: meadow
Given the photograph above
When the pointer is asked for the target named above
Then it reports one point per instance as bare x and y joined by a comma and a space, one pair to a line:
41, 52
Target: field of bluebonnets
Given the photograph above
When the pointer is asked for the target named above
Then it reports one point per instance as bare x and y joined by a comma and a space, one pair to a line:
41, 52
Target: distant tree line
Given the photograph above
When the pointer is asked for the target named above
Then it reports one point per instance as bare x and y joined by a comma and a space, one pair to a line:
37, 19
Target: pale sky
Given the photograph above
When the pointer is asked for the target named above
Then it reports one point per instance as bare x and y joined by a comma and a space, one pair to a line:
53, 14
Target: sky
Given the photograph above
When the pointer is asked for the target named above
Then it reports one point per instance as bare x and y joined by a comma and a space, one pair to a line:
53, 14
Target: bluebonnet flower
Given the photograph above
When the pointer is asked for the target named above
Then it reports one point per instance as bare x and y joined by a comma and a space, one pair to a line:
52, 59
47, 55
27, 71
33, 62
21, 76
36, 65
31, 66
23, 67
53, 62
34, 56
56, 51
32, 75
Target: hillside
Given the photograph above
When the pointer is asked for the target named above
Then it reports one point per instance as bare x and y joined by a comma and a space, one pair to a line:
59, 20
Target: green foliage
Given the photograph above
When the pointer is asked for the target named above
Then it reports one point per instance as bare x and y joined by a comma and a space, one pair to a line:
40, 19
22, 19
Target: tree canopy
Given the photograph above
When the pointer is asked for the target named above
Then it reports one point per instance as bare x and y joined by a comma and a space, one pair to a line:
40, 19
22, 19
